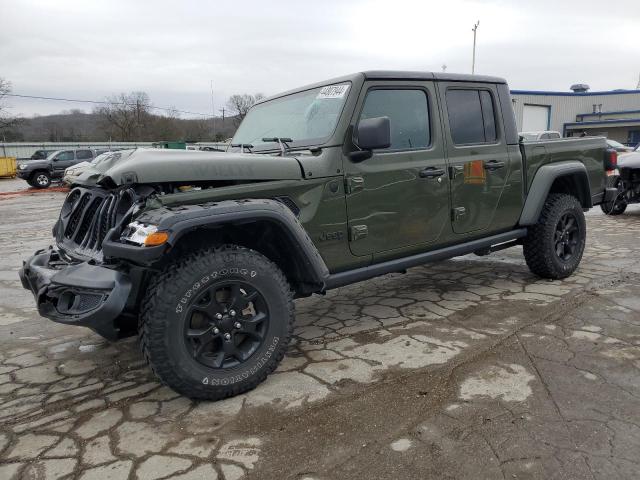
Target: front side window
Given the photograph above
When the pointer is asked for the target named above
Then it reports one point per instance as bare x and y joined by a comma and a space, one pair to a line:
471, 116
63, 156
408, 112
307, 118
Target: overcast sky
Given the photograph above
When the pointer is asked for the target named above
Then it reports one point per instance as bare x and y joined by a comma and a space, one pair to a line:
174, 49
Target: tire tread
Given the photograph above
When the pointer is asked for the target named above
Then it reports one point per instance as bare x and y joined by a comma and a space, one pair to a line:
163, 289
536, 244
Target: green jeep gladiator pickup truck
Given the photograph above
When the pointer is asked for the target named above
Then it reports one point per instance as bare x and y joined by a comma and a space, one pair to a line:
202, 253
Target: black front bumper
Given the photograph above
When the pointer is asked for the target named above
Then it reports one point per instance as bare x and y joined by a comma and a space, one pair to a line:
76, 293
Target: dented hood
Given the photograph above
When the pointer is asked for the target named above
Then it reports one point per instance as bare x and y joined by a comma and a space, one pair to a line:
163, 165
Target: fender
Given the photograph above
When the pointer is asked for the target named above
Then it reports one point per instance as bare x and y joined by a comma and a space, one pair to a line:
541, 185
181, 220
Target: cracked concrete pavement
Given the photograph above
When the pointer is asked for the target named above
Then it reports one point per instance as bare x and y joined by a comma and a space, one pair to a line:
470, 368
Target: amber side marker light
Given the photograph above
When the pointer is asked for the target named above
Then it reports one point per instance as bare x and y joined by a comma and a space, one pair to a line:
155, 239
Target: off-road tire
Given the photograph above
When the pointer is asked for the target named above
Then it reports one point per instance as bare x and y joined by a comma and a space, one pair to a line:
539, 245
619, 205
40, 179
164, 316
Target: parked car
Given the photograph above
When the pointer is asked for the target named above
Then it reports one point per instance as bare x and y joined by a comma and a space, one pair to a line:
75, 172
40, 173
365, 175
618, 147
543, 135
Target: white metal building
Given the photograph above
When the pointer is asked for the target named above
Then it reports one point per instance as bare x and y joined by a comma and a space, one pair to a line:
614, 114
26, 149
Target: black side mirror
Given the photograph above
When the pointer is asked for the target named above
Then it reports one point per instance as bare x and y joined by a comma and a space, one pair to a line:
371, 134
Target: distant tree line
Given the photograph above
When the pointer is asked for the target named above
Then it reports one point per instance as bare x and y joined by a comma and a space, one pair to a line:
124, 117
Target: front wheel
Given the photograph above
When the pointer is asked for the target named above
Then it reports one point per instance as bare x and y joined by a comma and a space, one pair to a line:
554, 246
217, 322
40, 180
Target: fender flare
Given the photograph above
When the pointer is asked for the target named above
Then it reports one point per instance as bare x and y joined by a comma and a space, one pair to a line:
181, 220
541, 185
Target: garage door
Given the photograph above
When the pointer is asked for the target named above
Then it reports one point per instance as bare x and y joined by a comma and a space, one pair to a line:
535, 118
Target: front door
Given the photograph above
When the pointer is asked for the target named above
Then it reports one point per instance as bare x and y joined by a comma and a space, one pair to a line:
477, 153
63, 160
399, 198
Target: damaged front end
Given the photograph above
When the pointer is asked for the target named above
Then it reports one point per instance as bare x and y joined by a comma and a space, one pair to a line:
94, 274
71, 282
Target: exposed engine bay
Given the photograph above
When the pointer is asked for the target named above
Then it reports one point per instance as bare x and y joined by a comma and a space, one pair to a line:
626, 179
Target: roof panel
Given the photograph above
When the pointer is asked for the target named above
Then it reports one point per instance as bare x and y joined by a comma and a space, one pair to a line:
414, 75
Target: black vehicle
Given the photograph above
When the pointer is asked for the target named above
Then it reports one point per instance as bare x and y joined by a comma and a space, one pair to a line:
41, 154
624, 174
38, 172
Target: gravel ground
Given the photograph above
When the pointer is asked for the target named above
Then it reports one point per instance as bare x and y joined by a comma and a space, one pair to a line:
470, 368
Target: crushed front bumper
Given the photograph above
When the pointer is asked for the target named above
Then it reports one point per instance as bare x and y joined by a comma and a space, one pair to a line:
76, 293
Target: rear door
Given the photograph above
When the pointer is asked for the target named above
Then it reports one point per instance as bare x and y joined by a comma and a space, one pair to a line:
397, 200
477, 153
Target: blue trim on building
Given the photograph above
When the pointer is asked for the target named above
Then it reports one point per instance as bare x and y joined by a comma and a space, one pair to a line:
606, 113
572, 94
608, 122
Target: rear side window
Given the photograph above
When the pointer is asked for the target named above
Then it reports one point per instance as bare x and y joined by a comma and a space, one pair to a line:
84, 154
471, 116
408, 112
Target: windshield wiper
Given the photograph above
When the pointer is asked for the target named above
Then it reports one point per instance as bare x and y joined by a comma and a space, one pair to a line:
282, 141
241, 146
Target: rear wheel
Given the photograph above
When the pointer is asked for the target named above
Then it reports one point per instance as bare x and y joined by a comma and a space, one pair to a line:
217, 322
554, 246
40, 180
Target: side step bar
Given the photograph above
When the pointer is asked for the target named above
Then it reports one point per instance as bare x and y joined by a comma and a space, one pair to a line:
491, 243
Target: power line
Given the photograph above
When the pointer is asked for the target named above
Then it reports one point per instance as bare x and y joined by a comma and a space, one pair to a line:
99, 102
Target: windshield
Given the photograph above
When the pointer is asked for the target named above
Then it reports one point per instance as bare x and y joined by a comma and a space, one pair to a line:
307, 118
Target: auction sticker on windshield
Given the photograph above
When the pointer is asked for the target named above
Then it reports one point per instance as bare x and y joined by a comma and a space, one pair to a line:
333, 91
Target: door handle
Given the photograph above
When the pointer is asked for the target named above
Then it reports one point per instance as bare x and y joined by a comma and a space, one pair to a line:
493, 165
431, 172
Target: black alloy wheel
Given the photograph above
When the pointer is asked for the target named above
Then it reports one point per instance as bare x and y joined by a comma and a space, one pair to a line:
226, 324
566, 237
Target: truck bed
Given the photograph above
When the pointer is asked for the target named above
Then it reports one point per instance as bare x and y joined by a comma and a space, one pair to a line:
588, 150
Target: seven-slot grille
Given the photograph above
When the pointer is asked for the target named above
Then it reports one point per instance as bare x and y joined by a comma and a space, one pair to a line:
86, 217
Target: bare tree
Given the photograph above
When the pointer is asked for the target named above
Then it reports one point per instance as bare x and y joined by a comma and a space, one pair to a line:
126, 116
6, 120
240, 105
166, 127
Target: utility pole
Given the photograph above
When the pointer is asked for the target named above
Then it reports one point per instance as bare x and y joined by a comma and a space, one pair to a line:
213, 113
222, 110
473, 62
